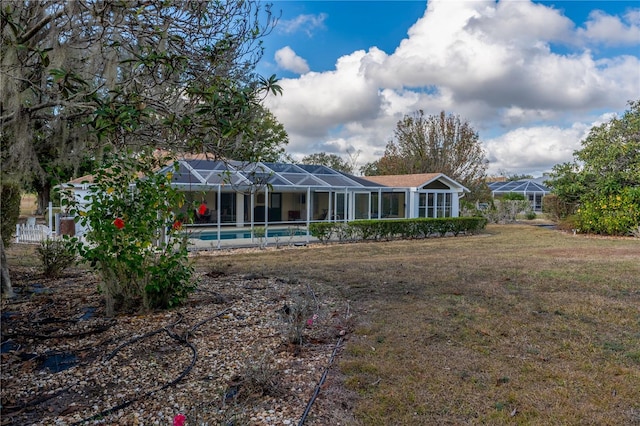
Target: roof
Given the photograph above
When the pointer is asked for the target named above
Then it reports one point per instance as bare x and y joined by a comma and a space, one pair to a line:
195, 173
198, 173
524, 185
410, 181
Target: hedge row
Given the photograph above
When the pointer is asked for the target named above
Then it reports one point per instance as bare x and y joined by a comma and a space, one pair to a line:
401, 228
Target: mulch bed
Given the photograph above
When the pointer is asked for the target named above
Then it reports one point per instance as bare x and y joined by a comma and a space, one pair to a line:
226, 357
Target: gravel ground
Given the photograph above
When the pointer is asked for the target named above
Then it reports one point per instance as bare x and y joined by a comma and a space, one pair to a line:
243, 350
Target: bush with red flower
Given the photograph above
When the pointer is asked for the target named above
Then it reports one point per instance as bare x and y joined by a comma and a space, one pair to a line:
134, 238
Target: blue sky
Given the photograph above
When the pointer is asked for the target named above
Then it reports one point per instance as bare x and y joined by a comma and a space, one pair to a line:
531, 77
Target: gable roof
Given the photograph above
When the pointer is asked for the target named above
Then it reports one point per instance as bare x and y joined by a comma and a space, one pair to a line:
416, 180
412, 181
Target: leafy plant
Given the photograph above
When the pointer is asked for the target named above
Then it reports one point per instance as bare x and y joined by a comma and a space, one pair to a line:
260, 233
615, 214
10, 201
56, 256
134, 238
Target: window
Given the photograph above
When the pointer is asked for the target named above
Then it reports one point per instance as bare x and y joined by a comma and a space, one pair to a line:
434, 205
390, 203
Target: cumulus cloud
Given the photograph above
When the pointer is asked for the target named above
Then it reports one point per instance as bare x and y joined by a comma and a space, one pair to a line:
305, 23
612, 30
493, 63
287, 59
533, 149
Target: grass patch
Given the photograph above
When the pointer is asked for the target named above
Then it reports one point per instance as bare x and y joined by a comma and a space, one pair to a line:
519, 325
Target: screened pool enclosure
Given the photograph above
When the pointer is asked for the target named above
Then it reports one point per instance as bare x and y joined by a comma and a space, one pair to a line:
533, 190
232, 193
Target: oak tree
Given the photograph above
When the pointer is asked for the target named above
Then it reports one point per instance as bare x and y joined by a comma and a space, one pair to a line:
82, 77
434, 144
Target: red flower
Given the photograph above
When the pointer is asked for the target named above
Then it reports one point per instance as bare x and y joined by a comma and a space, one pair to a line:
118, 223
177, 225
179, 420
202, 209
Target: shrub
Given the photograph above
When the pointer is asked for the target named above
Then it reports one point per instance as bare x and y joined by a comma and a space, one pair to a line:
134, 238
401, 228
531, 215
513, 196
321, 230
10, 211
504, 211
615, 214
56, 256
556, 208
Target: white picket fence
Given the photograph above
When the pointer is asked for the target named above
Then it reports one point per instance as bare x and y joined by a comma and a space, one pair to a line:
31, 233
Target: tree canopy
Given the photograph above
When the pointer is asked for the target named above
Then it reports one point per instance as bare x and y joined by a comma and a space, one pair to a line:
83, 76
434, 143
603, 180
333, 161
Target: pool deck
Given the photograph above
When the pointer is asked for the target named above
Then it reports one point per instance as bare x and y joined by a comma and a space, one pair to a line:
197, 244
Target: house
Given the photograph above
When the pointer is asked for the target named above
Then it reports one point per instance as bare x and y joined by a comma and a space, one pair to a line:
532, 189
244, 194
237, 196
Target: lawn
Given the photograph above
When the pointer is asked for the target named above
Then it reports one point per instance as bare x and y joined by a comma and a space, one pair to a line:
519, 325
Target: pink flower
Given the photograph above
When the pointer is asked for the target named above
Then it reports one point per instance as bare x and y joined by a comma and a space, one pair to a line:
311, 320
118, 223
179, 420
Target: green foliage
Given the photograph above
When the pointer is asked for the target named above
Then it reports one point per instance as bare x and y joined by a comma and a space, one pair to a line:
613, 214
376, 229
161, 73
10, 209
513, 196
556, 207
435, 144
505, 211
333, 161
134, 238
321, 230
56, 256
606, 166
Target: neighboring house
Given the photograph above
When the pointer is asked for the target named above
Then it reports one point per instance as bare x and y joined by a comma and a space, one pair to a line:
239, 195
532, 190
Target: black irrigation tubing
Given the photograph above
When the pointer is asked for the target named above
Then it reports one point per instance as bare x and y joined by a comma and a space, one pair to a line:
320, 383
125, 404
181, 376
141, 337
12, 409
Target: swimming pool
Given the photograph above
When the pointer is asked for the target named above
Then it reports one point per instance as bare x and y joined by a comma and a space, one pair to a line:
240, 234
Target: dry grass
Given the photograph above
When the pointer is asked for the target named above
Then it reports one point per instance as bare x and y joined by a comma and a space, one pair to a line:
521, 325
28, 204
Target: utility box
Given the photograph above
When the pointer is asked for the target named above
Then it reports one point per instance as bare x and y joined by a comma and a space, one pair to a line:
67, 226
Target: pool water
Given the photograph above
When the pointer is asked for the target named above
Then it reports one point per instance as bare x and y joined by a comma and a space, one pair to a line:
233, 235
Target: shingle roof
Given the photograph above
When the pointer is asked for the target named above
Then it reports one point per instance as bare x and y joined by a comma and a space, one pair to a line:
407, 181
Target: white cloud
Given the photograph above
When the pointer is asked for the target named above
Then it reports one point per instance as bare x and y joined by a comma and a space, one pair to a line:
492, 63
287, 59
533, 149
304, 23
612, 30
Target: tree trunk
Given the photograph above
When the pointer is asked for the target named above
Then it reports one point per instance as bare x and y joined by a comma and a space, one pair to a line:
43, 198
7, 289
